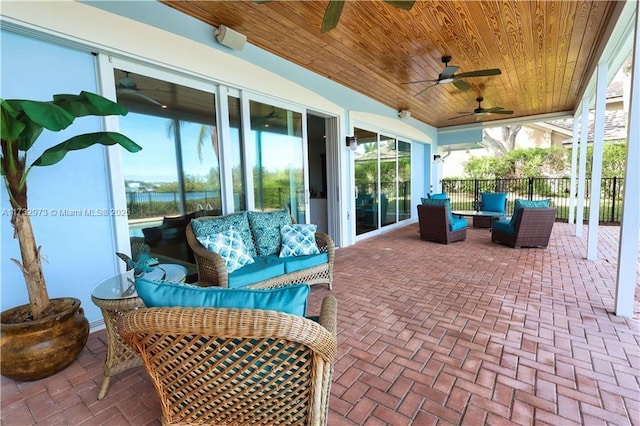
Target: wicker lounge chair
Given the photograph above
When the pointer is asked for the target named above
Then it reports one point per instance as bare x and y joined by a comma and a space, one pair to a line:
236, 366
532, 229
434, 225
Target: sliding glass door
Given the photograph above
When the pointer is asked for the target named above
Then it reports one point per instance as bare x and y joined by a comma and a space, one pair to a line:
275, 156
382, 168
178, 170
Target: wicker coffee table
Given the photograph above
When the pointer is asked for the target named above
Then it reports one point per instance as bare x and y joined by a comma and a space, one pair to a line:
114, 296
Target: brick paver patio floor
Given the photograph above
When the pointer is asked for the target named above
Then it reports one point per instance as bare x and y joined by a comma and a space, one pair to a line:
470, 333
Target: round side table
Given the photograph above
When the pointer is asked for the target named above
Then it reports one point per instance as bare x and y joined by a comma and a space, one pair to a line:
114, 296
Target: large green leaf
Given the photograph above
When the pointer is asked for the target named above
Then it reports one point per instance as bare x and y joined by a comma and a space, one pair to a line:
87, 103
47, 115
57, 153
332, 15
10, 127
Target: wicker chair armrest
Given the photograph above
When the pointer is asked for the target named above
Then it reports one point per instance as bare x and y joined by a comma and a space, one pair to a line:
328, 314
325, 245
212, 269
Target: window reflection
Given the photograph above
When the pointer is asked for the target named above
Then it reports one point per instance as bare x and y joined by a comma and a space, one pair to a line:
176, 176
276, 157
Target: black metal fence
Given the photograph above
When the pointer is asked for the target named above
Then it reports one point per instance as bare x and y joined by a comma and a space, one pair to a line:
465, 193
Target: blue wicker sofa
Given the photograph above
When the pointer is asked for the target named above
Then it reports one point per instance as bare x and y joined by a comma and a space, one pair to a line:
253, 249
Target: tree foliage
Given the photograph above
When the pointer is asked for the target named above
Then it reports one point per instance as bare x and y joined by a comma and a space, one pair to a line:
519, 163
613, 159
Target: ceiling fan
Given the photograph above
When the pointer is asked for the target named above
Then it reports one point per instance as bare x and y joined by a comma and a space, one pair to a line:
334, 9
482, 111
448, 75
127, 86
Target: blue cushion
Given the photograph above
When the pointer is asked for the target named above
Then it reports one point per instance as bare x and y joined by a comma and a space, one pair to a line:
291, 299
263, 268
298, 263
440, 202
493, 201
265, 228
530, 204
205, 226
504, 226
440, 196
424, 199
457, 224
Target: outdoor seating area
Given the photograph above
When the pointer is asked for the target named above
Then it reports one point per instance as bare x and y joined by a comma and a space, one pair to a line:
426, 333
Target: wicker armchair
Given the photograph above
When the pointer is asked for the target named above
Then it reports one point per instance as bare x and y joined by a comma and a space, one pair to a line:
212, 270
532, 229
434, 225
236, 366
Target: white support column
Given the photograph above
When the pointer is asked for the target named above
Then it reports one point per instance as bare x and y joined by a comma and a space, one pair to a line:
582, 165
574, 167
596, 162
630, 227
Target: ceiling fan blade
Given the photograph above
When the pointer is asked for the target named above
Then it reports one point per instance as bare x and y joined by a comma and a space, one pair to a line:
503, 111
332, 15
418, 81
460, 116
448, 72
401, 4
137, 93
494, 110
461, 84
149, 98
426, 88
479, 73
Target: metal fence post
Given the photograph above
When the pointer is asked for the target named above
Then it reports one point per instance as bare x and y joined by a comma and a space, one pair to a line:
613, 199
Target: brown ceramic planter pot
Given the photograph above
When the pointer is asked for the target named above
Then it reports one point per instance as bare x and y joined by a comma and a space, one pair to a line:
37, 349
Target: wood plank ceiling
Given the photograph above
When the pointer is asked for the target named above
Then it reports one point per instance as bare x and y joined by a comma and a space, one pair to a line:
546, 50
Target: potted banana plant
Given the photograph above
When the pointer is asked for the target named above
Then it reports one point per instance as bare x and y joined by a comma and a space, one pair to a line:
44, 336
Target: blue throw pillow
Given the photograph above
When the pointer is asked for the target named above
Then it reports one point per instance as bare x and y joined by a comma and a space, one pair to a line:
298, 240
228, 244
493, 201
291, 299
205, 226
265, 227
440, 196
529, 204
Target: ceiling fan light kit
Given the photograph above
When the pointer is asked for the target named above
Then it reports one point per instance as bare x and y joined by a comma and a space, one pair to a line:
230, 38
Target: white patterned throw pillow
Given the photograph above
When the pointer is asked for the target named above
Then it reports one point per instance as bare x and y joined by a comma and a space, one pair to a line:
298, 240
228, 244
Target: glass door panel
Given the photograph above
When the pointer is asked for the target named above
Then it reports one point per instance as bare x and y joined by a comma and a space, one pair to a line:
388, 179
366, 181
151, 175
275, 150
237, 161
177, 173
404, 180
